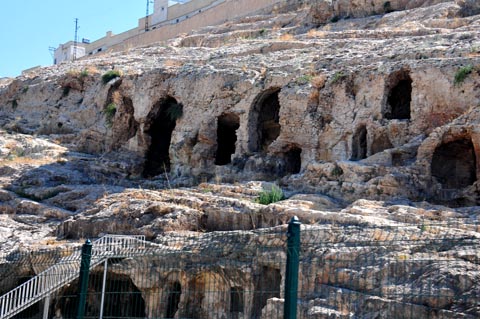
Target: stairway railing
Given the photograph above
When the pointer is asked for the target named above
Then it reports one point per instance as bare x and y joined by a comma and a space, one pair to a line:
67, 270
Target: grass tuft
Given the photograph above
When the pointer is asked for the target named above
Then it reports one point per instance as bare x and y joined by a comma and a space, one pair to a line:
110, 75
337, 77
110, 112
462, 74
271, 196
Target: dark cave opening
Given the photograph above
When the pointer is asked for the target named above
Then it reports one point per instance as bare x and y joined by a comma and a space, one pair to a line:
454, 164
267, 285
227, 126
122, 298
236, 300
359, 144
293, 160
160, 129
399, 97
265, 120
174, 292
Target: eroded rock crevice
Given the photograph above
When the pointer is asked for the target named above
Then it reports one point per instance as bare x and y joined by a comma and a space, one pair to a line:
359, 144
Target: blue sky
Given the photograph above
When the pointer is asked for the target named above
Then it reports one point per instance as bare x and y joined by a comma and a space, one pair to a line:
29, 27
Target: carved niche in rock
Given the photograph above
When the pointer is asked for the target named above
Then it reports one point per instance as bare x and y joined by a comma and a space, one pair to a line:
454, 164
227, 126
264, 120
161, 123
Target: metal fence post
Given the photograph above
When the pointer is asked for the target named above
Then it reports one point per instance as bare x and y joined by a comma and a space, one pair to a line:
291, 275
83, 280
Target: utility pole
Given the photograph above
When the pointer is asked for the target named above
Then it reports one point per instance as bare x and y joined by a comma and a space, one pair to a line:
147, 14
75, 40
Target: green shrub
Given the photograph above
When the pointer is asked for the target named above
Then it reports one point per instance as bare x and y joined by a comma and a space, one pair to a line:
110, 75
66, 91
304, 79
174, 112
14, 104
462, 74
109, 112
84, 73
337, 77
270, 196
337, 171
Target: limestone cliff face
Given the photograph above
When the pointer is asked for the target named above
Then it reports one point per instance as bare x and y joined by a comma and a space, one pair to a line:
348, 100
359, 106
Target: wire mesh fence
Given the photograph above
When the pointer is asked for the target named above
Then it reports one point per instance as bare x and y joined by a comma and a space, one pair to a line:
390, 271
396, 270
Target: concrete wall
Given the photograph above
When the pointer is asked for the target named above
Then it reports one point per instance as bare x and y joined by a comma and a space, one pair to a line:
182, 18
160, 10
179, 9
110, 39
227, 10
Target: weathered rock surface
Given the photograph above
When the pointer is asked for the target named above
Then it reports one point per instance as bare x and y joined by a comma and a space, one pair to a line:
333, 87
364, 112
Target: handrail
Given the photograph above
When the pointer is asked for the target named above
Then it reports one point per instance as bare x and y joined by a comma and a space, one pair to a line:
67, 270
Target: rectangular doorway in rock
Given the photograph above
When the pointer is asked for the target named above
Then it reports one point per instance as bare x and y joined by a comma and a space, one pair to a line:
293, 160
227, 126
267, 285
236, 302
399, 96
454, 164
160, 125
359, 144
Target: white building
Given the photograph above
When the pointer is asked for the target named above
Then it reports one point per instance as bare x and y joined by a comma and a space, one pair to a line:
69, 51
160, 11
65, 52
170, 18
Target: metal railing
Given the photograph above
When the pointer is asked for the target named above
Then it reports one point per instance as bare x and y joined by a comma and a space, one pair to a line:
65, 271
350, 270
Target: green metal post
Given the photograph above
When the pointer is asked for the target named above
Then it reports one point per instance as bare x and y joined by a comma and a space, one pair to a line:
291, 275
83, 280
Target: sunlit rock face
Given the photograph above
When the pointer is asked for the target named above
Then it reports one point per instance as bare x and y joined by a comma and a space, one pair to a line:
363, 112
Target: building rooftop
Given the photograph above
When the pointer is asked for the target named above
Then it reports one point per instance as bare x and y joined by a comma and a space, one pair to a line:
172, 2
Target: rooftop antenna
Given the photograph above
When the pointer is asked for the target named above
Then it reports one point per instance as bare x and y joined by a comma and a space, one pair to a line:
75, 40
147, 14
